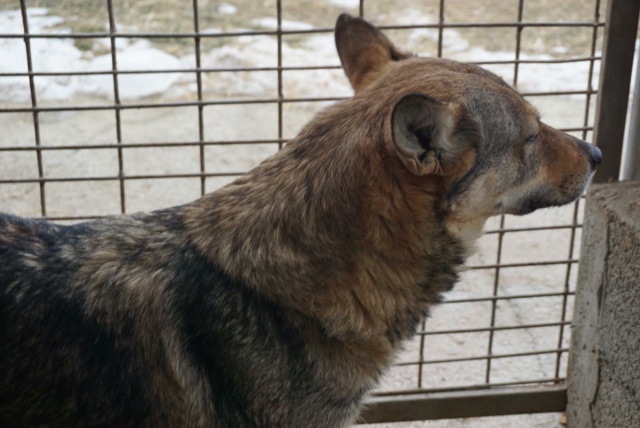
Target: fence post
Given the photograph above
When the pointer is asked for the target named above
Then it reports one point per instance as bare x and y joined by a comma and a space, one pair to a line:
613, 94
631, 169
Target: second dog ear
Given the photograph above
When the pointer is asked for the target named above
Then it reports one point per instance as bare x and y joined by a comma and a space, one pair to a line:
422, 129
363, 50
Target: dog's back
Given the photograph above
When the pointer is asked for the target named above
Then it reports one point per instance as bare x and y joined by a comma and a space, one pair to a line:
60, 364
119, 322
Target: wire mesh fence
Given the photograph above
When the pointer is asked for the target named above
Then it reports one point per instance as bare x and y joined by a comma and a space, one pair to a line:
115, 107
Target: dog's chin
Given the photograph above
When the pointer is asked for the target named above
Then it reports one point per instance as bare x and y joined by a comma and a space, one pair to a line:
522, 209
527, 206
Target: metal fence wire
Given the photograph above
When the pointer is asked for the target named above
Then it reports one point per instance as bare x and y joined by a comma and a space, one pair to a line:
85, 151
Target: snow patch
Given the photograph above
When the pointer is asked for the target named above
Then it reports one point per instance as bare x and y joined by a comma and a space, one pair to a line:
285, 24
60, 55
261, 51
347, 4
137, 56
47, 55
227, 9
559, 50
543, 77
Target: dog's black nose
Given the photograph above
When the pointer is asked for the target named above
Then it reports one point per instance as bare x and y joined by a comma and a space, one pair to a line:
592, 152
595, 156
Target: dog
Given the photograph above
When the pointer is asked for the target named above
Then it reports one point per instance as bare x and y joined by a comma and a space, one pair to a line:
280, 299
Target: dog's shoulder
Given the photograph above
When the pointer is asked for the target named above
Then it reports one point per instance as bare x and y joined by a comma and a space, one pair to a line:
23, 242
15, 229
36, 251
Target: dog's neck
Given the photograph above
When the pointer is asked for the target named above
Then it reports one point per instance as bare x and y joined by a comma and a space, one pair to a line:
284, 229
354, 246
467, 232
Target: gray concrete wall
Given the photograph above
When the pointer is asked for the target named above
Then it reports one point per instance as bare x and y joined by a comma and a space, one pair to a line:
604, 374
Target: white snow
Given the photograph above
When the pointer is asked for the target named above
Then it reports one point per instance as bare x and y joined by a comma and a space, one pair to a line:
347, 4
531, 77
246, 51
285, 24
47, 55
136, 56
452, 42
59, 55
227, 9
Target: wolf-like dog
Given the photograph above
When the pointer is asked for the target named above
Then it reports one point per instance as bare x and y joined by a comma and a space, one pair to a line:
280, 299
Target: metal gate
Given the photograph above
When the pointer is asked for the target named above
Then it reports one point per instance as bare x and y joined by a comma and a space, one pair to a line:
113, 107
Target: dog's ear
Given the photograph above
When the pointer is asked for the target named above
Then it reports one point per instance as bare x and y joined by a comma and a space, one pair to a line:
363, 50
422, 130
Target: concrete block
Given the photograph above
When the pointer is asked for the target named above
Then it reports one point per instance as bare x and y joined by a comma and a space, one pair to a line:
604, 373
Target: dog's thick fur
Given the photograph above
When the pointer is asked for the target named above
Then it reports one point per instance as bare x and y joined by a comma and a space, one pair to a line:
280, 299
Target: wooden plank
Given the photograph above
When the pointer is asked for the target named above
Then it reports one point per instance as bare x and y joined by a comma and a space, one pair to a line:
465, 404
613, 94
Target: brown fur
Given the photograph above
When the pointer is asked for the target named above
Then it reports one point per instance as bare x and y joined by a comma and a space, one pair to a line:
280, 299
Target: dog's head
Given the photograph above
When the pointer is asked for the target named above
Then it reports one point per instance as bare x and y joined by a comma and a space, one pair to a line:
465, 127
